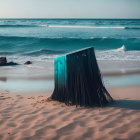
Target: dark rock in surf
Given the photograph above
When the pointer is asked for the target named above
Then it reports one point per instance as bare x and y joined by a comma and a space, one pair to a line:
28, 63
3, 62
11, 63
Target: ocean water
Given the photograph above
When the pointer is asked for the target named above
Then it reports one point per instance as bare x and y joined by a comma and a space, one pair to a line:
113, 39
116, 43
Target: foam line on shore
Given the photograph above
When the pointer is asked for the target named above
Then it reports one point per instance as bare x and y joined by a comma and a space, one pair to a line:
121, 73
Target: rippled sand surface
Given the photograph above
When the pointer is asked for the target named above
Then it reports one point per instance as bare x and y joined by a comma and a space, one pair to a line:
34, 117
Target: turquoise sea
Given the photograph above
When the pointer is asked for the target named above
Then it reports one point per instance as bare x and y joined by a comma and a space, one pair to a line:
116, 43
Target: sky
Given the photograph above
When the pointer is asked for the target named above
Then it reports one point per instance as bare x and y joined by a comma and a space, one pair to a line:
69, 8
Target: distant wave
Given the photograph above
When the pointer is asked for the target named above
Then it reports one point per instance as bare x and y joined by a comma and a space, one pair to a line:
94, 27
60, 26
67, 26
44, 52
40, 46
6, 52
16, 26
132, 27
80, 26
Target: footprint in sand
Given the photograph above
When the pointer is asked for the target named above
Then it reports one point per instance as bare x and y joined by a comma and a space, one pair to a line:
31, 97
4, 98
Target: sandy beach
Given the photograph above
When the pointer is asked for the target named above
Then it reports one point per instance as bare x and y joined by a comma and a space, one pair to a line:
34, 117
75, 52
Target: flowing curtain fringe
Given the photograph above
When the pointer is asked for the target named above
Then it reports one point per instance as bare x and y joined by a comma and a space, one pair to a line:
78, 80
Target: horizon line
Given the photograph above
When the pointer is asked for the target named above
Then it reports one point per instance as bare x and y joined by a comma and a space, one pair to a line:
68, 18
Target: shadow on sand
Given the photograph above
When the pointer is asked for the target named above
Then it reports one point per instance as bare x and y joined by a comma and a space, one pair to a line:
128, 104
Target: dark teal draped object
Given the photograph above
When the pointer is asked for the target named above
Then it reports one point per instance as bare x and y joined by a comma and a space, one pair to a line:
78, 80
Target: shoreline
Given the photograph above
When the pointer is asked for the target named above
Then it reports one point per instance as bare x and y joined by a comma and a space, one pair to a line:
45, 69
33, 117
45, 82
50, 76
121, 73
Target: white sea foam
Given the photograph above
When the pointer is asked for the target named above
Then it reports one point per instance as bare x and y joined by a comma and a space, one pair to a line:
114, 54
44, 25
122, 49
104, 37
118, 54
80, 26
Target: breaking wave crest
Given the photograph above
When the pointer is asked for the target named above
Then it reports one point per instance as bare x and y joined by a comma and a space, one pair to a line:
66, 26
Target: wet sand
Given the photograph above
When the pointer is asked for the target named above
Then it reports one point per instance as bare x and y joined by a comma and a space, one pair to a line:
33, 117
